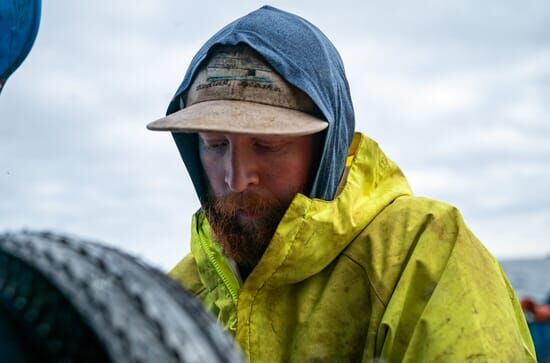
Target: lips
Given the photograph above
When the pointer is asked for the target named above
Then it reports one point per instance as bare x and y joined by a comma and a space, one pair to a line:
247, 215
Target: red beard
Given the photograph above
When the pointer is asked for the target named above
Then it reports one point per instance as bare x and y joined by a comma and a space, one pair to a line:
244, 224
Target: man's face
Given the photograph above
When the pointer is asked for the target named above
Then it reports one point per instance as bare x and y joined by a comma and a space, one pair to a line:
253, 180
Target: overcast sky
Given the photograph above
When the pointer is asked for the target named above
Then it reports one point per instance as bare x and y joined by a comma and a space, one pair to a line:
458, 95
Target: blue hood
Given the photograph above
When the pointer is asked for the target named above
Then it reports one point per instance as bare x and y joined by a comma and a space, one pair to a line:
303, 56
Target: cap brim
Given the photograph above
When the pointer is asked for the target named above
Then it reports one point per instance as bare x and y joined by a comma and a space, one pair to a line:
240, 117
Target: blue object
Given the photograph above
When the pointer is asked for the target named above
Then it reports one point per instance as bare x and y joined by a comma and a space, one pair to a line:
19, 21
305, 58
540, 331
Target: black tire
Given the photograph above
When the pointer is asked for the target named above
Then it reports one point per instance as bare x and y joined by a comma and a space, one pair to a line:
63, 299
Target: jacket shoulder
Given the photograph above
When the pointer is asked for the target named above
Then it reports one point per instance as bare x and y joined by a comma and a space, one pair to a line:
186, 273
439, 286
410, 229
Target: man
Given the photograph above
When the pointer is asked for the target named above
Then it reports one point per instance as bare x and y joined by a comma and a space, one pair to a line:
309, 246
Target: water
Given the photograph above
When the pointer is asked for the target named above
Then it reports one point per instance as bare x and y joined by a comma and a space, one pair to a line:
529, 277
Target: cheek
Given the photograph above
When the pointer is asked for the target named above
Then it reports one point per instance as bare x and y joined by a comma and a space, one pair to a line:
214, 173
287, 177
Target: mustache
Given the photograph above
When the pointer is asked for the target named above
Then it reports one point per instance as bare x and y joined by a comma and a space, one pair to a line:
252, 203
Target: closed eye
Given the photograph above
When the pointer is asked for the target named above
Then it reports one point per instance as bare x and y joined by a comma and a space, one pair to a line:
213, 144
270, 146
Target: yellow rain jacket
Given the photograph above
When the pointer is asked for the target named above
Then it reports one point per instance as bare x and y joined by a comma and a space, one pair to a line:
374, 275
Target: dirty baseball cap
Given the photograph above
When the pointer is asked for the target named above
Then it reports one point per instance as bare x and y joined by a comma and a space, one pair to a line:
236, 91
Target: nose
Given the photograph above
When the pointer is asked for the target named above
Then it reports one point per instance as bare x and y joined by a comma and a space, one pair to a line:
241, 171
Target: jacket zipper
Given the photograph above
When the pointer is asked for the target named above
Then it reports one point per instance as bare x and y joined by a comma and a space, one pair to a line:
219, 271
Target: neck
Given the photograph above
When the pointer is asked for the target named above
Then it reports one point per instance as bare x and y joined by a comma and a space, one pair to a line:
245, 270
